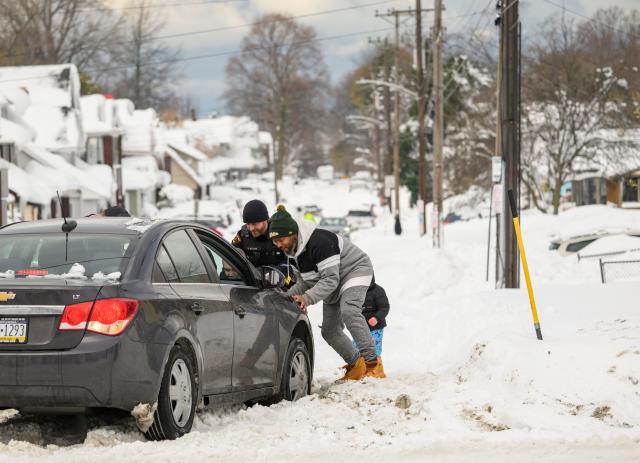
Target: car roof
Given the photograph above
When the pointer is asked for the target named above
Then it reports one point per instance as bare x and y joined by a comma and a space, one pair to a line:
115, 225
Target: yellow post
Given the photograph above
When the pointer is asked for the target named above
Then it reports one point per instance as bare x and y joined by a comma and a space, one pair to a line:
525, 266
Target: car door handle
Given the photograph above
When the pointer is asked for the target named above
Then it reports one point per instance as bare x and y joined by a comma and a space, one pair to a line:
195, 307
240, 311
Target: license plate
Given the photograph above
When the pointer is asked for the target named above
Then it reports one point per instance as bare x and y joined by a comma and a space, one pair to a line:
13, 330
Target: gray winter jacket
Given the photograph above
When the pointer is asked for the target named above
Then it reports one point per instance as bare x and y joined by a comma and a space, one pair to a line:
328, 264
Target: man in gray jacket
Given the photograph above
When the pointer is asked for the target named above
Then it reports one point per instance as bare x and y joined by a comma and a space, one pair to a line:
337, 272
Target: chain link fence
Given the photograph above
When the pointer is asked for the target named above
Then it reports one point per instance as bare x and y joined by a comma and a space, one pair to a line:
619, 270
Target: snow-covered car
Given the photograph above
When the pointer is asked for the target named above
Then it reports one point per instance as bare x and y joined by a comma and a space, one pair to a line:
360, 218
337, 225
150, 318
568, 246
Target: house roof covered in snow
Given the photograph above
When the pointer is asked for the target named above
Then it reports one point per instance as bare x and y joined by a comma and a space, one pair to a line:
50, 103
175, 157
142, 173
98, 115
60, 175
63, 77
141, 133
27, 186
618, 154
178, 139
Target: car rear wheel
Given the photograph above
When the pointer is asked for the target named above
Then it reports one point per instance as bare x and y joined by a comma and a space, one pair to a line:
296, 374
176, 400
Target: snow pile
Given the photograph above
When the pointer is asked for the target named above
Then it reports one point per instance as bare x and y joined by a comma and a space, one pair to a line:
176, 194
139, 225
8, 274
99, 276
76, 272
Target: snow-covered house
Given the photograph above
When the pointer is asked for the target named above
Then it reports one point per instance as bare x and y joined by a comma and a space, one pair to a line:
184, 162
235, 147
54, 110
612, 176
142, 154
29, 198
103, 136
46, 103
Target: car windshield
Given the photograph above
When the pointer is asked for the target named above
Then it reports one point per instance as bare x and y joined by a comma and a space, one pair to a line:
50, 255
333, 222
360, 214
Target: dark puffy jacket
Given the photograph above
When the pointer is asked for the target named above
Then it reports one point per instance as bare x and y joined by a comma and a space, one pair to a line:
376, 305
261, 250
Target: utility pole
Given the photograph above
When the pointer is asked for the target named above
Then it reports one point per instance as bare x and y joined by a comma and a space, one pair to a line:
422, 148
396, 148
438, 123
396, 119
510, 134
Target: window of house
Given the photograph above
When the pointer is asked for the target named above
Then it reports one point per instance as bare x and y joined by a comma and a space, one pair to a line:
95, 152
7, 152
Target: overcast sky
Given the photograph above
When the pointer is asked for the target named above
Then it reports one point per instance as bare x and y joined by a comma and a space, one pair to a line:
204, 78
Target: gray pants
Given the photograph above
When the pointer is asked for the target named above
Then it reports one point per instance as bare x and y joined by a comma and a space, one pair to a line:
348, 311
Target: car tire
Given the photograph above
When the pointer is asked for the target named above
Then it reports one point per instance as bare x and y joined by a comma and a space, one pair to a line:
176, 400
296, 372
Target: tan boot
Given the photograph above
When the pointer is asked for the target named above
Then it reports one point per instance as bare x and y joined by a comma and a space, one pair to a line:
375, 369
355, 371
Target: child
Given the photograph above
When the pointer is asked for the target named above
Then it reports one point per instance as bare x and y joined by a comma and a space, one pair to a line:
375, 311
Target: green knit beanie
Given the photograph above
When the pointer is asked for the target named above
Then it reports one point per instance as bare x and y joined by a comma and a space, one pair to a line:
282, 224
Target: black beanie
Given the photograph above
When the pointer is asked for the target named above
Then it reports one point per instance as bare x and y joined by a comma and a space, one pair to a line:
282, 224
255, 211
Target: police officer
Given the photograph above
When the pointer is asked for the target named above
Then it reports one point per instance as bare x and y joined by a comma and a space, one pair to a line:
253, 239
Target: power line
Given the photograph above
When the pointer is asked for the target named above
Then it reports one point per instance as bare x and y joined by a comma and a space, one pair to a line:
595, 21
216, 55
238, 26
159, 5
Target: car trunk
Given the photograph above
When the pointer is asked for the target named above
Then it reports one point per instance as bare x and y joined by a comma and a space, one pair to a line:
31, 309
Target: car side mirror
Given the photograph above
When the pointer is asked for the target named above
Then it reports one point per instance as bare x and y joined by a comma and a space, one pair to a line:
271, 277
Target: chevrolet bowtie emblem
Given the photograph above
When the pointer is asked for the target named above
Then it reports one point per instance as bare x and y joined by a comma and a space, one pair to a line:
4, 296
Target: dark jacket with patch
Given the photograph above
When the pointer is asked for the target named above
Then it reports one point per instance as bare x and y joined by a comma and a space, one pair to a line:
376, 304
261, 250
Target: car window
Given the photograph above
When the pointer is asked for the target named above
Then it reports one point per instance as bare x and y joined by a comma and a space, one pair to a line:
577, 246
360, 214
227, 272
163, 270
55, 253
184, 255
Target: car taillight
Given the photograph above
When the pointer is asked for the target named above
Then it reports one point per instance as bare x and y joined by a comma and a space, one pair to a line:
75, 317
112, 316
216, 231
109, 316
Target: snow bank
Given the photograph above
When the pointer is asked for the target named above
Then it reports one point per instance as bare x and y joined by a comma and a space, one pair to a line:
177, 194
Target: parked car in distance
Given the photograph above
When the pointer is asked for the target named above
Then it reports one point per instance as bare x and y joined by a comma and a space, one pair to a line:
360, 218
128, 315
337, 225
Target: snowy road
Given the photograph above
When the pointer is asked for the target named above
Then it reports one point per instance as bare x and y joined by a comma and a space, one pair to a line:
468, 381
